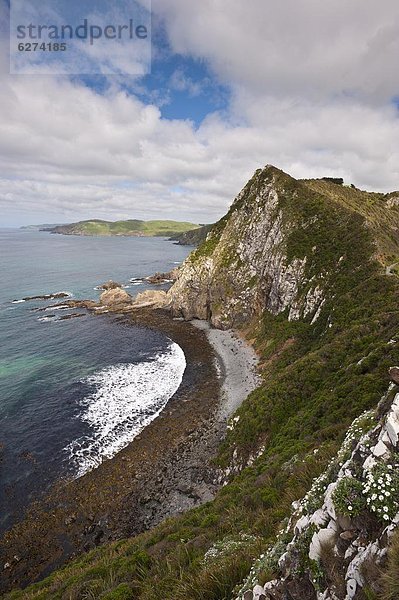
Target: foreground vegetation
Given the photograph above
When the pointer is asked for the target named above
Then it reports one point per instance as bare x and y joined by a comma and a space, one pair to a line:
316, 379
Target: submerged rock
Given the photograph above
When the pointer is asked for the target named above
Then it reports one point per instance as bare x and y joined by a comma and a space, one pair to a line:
46, 296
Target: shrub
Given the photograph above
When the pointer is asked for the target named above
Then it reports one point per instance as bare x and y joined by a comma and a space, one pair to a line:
348, 497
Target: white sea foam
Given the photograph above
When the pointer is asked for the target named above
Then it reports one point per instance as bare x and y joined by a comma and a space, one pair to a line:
60, 307
126, 398
18, 301
47, 319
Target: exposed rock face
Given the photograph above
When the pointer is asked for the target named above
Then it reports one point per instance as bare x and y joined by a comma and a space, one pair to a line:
151, 298
115, 296
243, 267
110, 285
394, 374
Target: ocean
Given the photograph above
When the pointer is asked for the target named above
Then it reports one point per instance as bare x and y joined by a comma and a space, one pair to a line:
74, 392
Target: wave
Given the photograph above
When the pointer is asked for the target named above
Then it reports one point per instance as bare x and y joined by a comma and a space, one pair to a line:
126, 398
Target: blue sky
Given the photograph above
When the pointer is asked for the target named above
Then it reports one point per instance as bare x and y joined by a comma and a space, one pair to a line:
308, 86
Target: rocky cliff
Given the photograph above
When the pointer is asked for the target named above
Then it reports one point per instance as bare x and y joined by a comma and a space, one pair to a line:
265, 253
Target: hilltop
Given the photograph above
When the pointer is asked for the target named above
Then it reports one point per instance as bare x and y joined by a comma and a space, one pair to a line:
131, 227
304, 270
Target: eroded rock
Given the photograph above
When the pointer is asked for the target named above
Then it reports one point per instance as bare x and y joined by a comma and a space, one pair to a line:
115, 296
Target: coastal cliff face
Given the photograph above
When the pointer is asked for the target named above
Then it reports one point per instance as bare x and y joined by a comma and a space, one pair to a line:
265, 255
243, 268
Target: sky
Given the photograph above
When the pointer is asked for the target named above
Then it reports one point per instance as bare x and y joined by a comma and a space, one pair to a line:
309, 86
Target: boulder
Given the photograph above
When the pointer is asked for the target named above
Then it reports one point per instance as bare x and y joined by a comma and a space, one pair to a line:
110, 285
380, 449
323, 537
259, 593
115, 296
151, 298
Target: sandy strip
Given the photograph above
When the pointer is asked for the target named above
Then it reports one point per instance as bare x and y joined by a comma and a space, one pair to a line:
238, 365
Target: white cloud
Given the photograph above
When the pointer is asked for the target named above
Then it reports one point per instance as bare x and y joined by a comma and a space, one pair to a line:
304, 47
311, 88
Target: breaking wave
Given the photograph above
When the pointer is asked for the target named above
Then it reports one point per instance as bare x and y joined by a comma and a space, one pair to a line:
125, 399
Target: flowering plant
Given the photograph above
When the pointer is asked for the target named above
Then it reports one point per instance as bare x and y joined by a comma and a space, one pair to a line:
348, 498
381, 490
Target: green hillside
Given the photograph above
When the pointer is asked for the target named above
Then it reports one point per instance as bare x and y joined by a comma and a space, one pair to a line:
132, 227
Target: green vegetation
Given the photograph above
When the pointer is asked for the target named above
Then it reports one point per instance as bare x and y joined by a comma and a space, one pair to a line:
348, 497
390, 577
132, 227
317, 377
194, 237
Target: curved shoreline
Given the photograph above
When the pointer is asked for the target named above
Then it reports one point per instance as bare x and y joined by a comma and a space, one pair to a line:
165, 470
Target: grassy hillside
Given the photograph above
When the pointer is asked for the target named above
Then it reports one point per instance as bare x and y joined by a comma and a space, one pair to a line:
317, 377
131, 227
380, 211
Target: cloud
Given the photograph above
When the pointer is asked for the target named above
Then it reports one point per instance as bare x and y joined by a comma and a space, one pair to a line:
311, 91
302, 47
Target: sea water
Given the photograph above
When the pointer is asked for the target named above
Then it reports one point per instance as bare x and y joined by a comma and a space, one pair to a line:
74, 392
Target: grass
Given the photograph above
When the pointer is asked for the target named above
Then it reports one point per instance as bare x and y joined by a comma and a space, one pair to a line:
316, 379
390, 578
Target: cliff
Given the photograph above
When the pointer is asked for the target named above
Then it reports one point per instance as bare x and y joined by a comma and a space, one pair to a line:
194, 237
282, 247
336, 541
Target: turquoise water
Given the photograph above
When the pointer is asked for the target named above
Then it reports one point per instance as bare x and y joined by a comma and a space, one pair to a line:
73, 392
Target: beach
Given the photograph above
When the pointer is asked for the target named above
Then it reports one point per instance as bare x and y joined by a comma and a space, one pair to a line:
238, 365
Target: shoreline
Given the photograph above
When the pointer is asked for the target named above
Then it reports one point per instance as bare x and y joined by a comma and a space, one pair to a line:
164, 471
238, 362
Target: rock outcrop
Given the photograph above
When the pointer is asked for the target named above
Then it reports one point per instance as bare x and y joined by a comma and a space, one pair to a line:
109, 285
151, 299
159, 278
54, 296
115, 296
